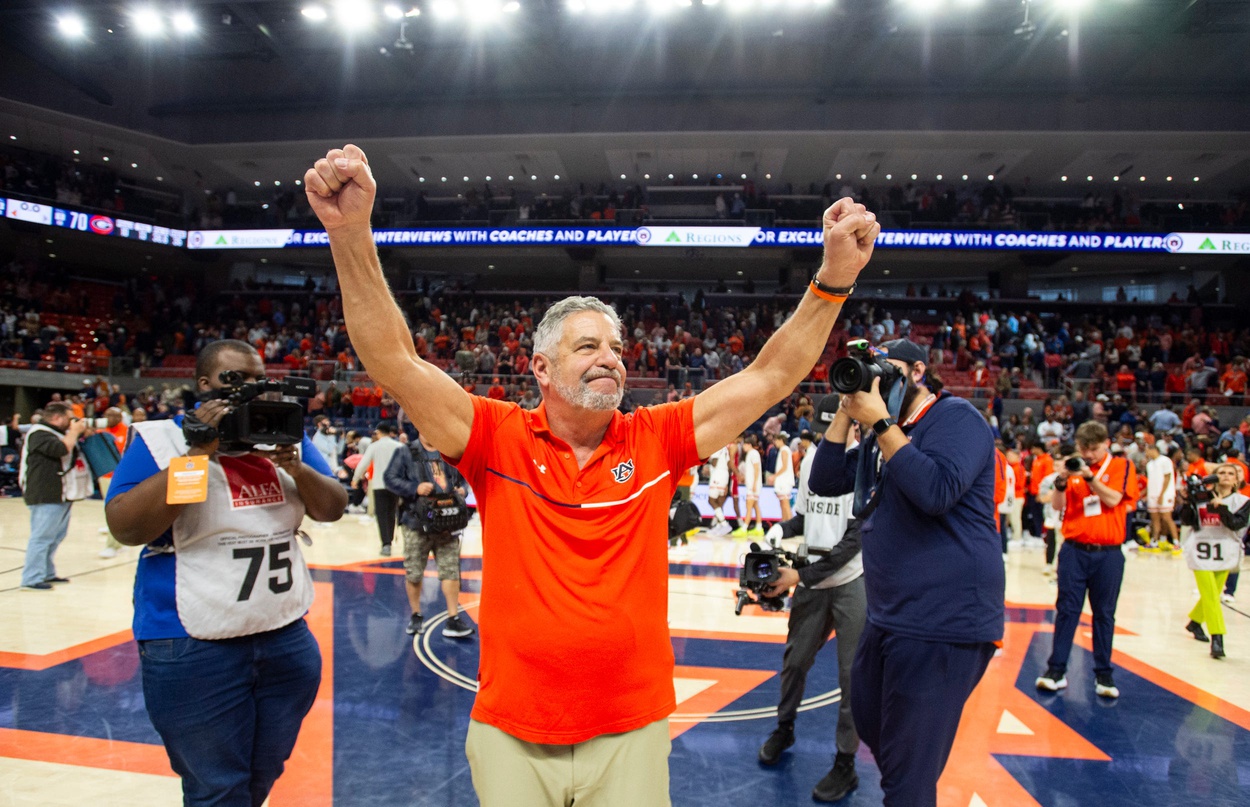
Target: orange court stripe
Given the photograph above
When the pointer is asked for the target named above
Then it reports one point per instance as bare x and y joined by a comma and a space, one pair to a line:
308, 780
727, 636
1199, 697
86, 752
36, 662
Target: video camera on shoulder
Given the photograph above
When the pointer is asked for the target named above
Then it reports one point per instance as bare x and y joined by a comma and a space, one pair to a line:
862, 363
250, 422
761, 568
1200, 489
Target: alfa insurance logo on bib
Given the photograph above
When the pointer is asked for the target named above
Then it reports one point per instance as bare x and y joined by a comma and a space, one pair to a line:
253, 482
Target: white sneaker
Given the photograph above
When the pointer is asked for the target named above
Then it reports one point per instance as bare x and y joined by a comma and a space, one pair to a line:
1104, 687
1227, 599
1052, 681
108, 552
103, 530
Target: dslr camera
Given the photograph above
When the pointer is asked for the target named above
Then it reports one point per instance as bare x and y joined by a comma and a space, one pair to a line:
1074, 464
761, 568
855, 371
250, 422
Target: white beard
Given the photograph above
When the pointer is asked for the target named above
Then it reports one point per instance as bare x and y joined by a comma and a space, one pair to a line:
584, 397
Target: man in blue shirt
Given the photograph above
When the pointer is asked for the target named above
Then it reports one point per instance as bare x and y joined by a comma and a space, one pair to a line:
932, 569
229, 667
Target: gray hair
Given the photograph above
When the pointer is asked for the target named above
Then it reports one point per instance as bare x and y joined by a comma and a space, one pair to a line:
547, 334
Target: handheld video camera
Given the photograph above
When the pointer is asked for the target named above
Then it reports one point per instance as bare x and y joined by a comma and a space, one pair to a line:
761, 568
855, 371
250, 422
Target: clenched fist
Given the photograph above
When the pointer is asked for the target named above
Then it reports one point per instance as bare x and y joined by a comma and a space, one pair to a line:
849, 233
341, 188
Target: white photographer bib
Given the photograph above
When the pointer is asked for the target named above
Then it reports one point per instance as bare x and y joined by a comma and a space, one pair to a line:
1214, 547
240, 569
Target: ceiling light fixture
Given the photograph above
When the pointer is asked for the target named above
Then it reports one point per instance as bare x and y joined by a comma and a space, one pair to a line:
71, 26
183, 23
314, 13
147, 22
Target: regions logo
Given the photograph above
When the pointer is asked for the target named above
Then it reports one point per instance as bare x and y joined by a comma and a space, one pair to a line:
624, 471
196, 240
643, 236
100, 225
1174, 242
253, 482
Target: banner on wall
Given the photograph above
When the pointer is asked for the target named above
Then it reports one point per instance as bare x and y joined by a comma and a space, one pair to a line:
740, 238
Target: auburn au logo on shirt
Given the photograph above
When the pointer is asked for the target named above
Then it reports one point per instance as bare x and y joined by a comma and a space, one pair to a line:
624, 471
253, 482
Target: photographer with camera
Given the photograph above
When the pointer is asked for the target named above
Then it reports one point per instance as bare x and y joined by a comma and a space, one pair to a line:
432, 516
924, 494
1096, 492
1219, 515
229, 666
52, 475
828, 596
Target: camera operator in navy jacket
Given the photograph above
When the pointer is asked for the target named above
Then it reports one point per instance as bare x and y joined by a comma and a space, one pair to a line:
932, 567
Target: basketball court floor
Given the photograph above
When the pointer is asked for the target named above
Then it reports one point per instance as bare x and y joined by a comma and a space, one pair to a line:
389, 725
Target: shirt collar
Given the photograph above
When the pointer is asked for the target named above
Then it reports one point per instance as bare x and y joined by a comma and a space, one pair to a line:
539, 424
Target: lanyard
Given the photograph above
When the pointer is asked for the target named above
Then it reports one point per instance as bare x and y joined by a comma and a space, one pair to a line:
924, 407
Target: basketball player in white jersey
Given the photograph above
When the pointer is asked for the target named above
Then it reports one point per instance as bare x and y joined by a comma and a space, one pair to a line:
752, 486
783, 474
718, 491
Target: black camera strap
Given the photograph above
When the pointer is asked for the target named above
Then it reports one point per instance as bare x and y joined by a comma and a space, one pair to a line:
869, 469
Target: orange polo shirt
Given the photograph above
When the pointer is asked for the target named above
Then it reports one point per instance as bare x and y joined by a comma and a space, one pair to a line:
573, 615
1043, 466
1110, 525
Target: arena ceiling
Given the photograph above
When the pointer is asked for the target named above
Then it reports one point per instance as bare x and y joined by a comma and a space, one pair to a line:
799, 90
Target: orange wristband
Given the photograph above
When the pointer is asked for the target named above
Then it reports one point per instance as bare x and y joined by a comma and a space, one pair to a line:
824, 295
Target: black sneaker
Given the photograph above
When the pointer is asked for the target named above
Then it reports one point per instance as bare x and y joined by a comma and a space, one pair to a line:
55, 580
781, 739
1052, 680
839, 781
40, 586
1217, 645
386, 550
1196, 629
456, 628
414, 625
1104, 686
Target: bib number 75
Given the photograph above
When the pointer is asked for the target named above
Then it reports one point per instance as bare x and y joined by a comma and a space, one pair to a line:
280, 579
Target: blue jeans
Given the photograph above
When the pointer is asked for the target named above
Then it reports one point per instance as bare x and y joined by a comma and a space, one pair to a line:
48, 525
229, 711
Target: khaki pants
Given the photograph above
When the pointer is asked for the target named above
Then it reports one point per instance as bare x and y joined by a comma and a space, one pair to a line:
612, 770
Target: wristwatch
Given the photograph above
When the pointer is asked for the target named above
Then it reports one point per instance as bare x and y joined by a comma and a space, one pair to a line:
840, 291
883, 425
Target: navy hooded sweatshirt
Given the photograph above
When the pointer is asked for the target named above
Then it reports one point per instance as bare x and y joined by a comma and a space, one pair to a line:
933, 567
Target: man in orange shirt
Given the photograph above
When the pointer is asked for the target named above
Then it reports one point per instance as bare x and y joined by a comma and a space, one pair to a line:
576, 660
1042, 467
1096, 494
1233, 382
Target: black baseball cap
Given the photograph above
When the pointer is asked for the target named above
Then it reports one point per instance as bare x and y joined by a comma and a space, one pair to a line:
825, 410
905, 350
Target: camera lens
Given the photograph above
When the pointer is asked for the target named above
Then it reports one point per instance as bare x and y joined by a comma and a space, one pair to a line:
1072, 464
849, 375
763, 570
